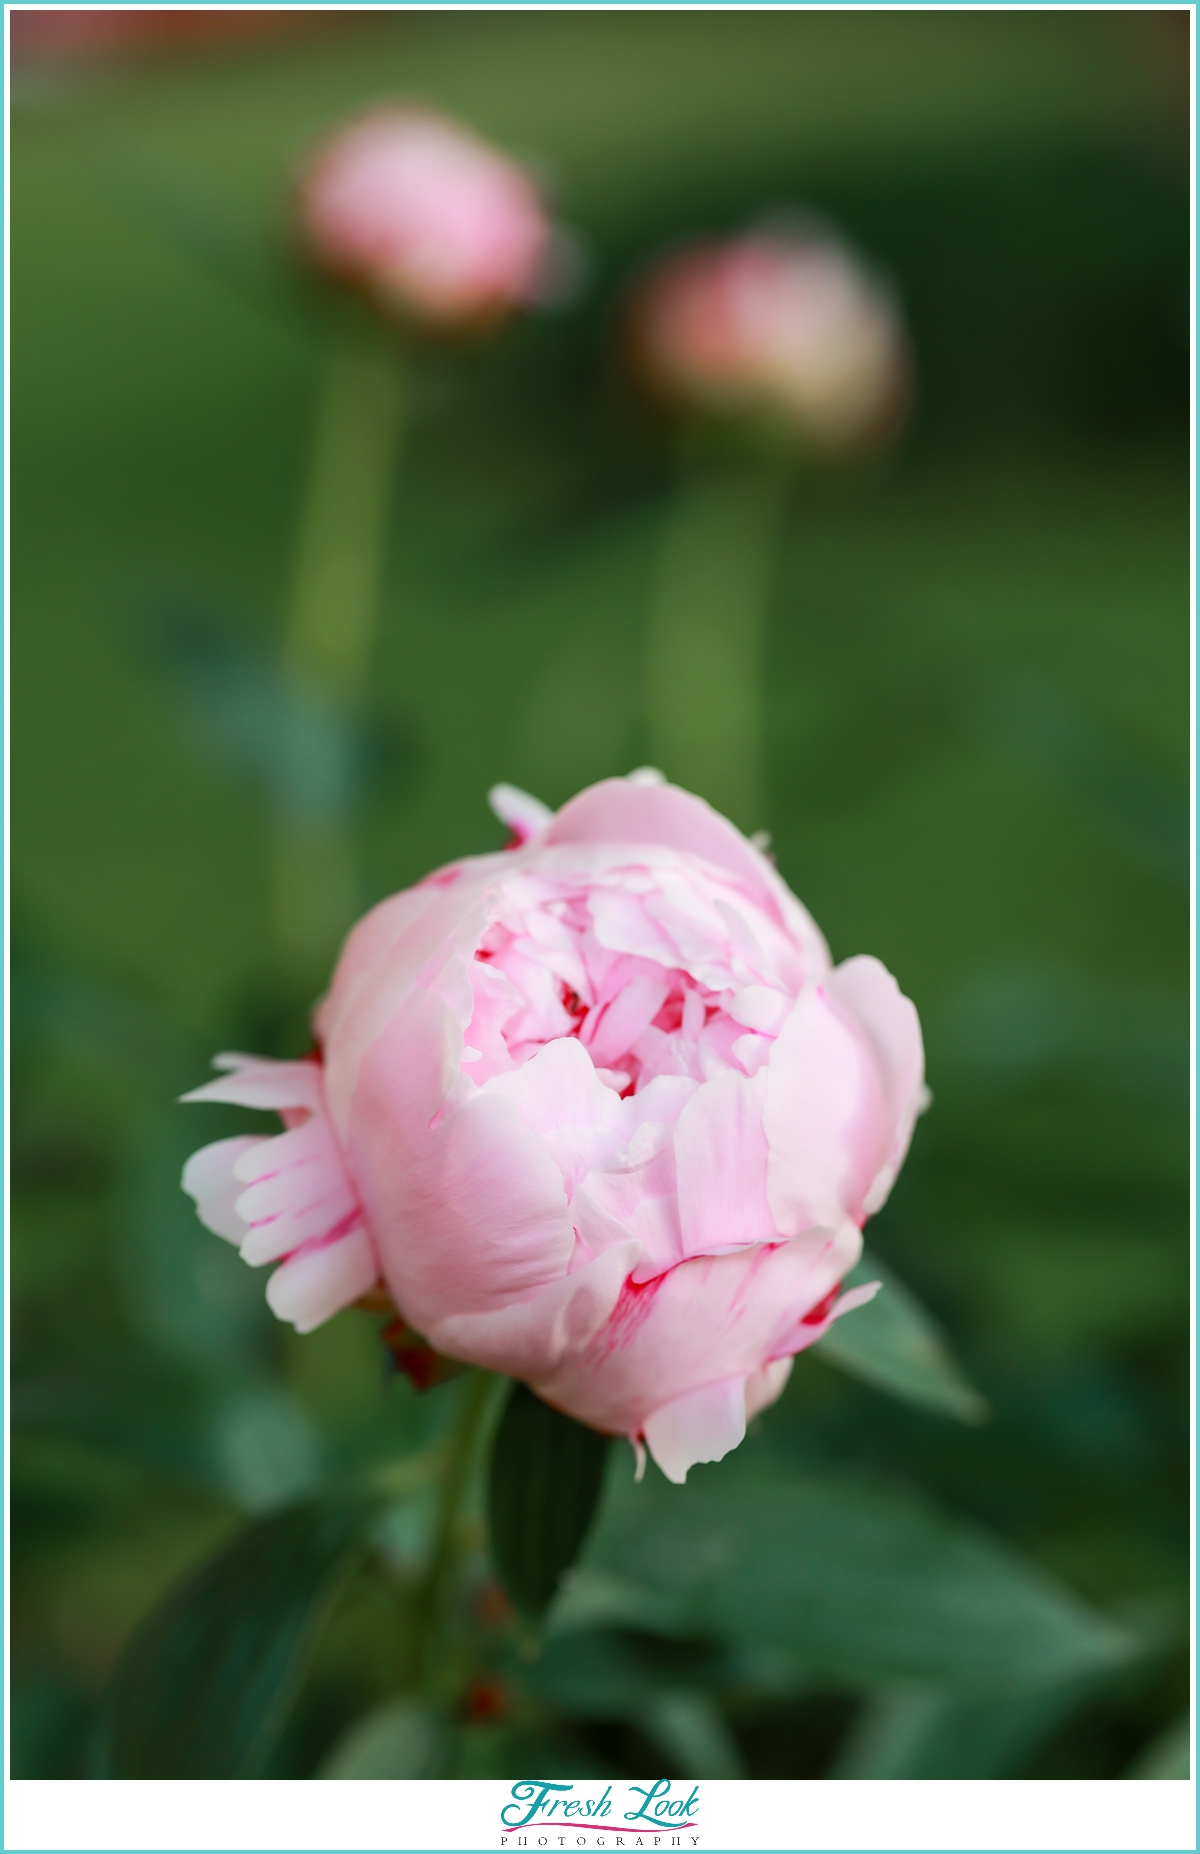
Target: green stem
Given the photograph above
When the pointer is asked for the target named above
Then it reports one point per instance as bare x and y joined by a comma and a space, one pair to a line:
432, 1596
328, 640
707, 630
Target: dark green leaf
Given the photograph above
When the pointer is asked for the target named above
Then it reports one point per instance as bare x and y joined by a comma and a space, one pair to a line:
918, 1733
486, 1753
399, 1739
543, 1487
1168, 1756
204, 1686
689, 1728
893, 1344
866, 1581
603, 1674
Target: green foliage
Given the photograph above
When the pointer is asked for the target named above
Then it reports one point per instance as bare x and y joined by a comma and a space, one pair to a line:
920, 1733
1169, 1756
543, 1488
863, 1581
401, 1738
893, 1344
204, 1686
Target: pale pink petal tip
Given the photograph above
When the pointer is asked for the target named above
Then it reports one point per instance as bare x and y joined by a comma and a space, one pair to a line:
209, 1179
639, 1457
854, 1297
315, 1284
701, 1426
525, 816
705, 1424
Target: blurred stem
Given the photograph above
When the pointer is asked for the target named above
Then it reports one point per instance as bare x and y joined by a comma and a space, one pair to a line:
707, 630
330, 633
432, 1596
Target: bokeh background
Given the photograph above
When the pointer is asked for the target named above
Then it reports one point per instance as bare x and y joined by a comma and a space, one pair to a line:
976, 768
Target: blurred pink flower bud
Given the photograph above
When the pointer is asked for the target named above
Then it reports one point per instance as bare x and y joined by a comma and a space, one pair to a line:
427, 218
785, 322
598, 1109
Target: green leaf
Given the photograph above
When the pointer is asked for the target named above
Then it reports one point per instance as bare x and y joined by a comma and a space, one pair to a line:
543, 1487
894, 1345
399, 1739
1167, 1756
204, 1687
866, 1581
488, 1753
605, 1674
689, 1729
916, 1732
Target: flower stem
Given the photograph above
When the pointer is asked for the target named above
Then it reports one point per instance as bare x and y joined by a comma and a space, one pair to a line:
328, 640
477, 1404
707, 630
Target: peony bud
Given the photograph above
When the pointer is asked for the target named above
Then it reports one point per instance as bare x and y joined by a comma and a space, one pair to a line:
783, 322
425, 217
600, 1112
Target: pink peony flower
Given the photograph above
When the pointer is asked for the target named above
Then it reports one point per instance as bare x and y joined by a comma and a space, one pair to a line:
427, 218
599, 1111
788, 322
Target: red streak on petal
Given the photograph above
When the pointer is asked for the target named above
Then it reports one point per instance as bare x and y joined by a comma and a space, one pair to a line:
633, 1307
816, 1316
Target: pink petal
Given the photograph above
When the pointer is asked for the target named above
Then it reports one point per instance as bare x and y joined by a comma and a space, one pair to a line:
297, 1190
526, 817
854, 1297
604, 1215
808, 1330
824, 1118
559, 1095
708, 1319
209, 1178
442, 931
721, 1167
867, 989
532, 1338
760, 1007
317, 1283
765, 1386
367, 946
623, 1021
703, 1425
256, 1081
465, 1202
630, 811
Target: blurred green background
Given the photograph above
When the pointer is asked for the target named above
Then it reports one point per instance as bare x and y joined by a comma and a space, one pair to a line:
976, 754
